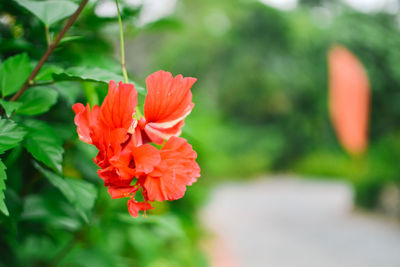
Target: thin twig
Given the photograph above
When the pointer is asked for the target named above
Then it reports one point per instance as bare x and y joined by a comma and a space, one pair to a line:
46, 28
49, 50
121, 37
138, 113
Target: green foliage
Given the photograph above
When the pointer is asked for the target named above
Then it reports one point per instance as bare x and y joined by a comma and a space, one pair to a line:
59, 212
260, 107
9, 107
37, 100
47, 71
88, 74
68, 39
13, 73
10, 134
80, 193
52, 210
92, 74
68, 91
49, 12
44, 144
328, 164
3, 178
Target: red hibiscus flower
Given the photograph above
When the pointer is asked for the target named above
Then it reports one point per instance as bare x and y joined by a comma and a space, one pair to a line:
128, 162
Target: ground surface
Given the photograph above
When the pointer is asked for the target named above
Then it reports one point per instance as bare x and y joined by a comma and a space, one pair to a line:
286, 222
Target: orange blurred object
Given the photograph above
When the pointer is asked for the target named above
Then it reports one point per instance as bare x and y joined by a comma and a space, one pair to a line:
349, 99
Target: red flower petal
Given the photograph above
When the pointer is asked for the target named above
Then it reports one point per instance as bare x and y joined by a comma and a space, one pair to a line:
85, 120
119, 106
178, 169
115, 139
121, 162
168, 102
112, 177
109, 143
134, 207
158, 135
119, 192
146, 158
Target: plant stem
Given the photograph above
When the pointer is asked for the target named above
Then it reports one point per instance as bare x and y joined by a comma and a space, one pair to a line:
121, 37
49, 50
46, 28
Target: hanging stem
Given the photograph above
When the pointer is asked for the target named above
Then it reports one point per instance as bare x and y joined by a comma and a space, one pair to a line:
123, 65
121, 37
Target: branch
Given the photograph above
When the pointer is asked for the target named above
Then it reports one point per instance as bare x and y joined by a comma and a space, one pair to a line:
49, 50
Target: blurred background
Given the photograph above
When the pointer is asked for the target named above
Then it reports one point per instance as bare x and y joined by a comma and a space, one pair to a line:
277, 187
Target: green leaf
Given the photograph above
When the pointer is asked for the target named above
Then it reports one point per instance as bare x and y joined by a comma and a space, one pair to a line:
85, 196
9, 107
46, 72
37, 100
88, 74
3, 177
91, 93
13, 73
94, 75
49, 12
44, 144
10, 134
69, 91
38, 247
50, 208
166, 23
68, 39
80, 193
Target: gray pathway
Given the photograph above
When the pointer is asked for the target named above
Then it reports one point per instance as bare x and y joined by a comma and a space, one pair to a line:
288, 222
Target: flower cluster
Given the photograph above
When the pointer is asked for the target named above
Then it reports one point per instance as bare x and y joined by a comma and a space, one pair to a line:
127, 160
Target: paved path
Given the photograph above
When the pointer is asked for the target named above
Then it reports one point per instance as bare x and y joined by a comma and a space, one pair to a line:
288, 222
